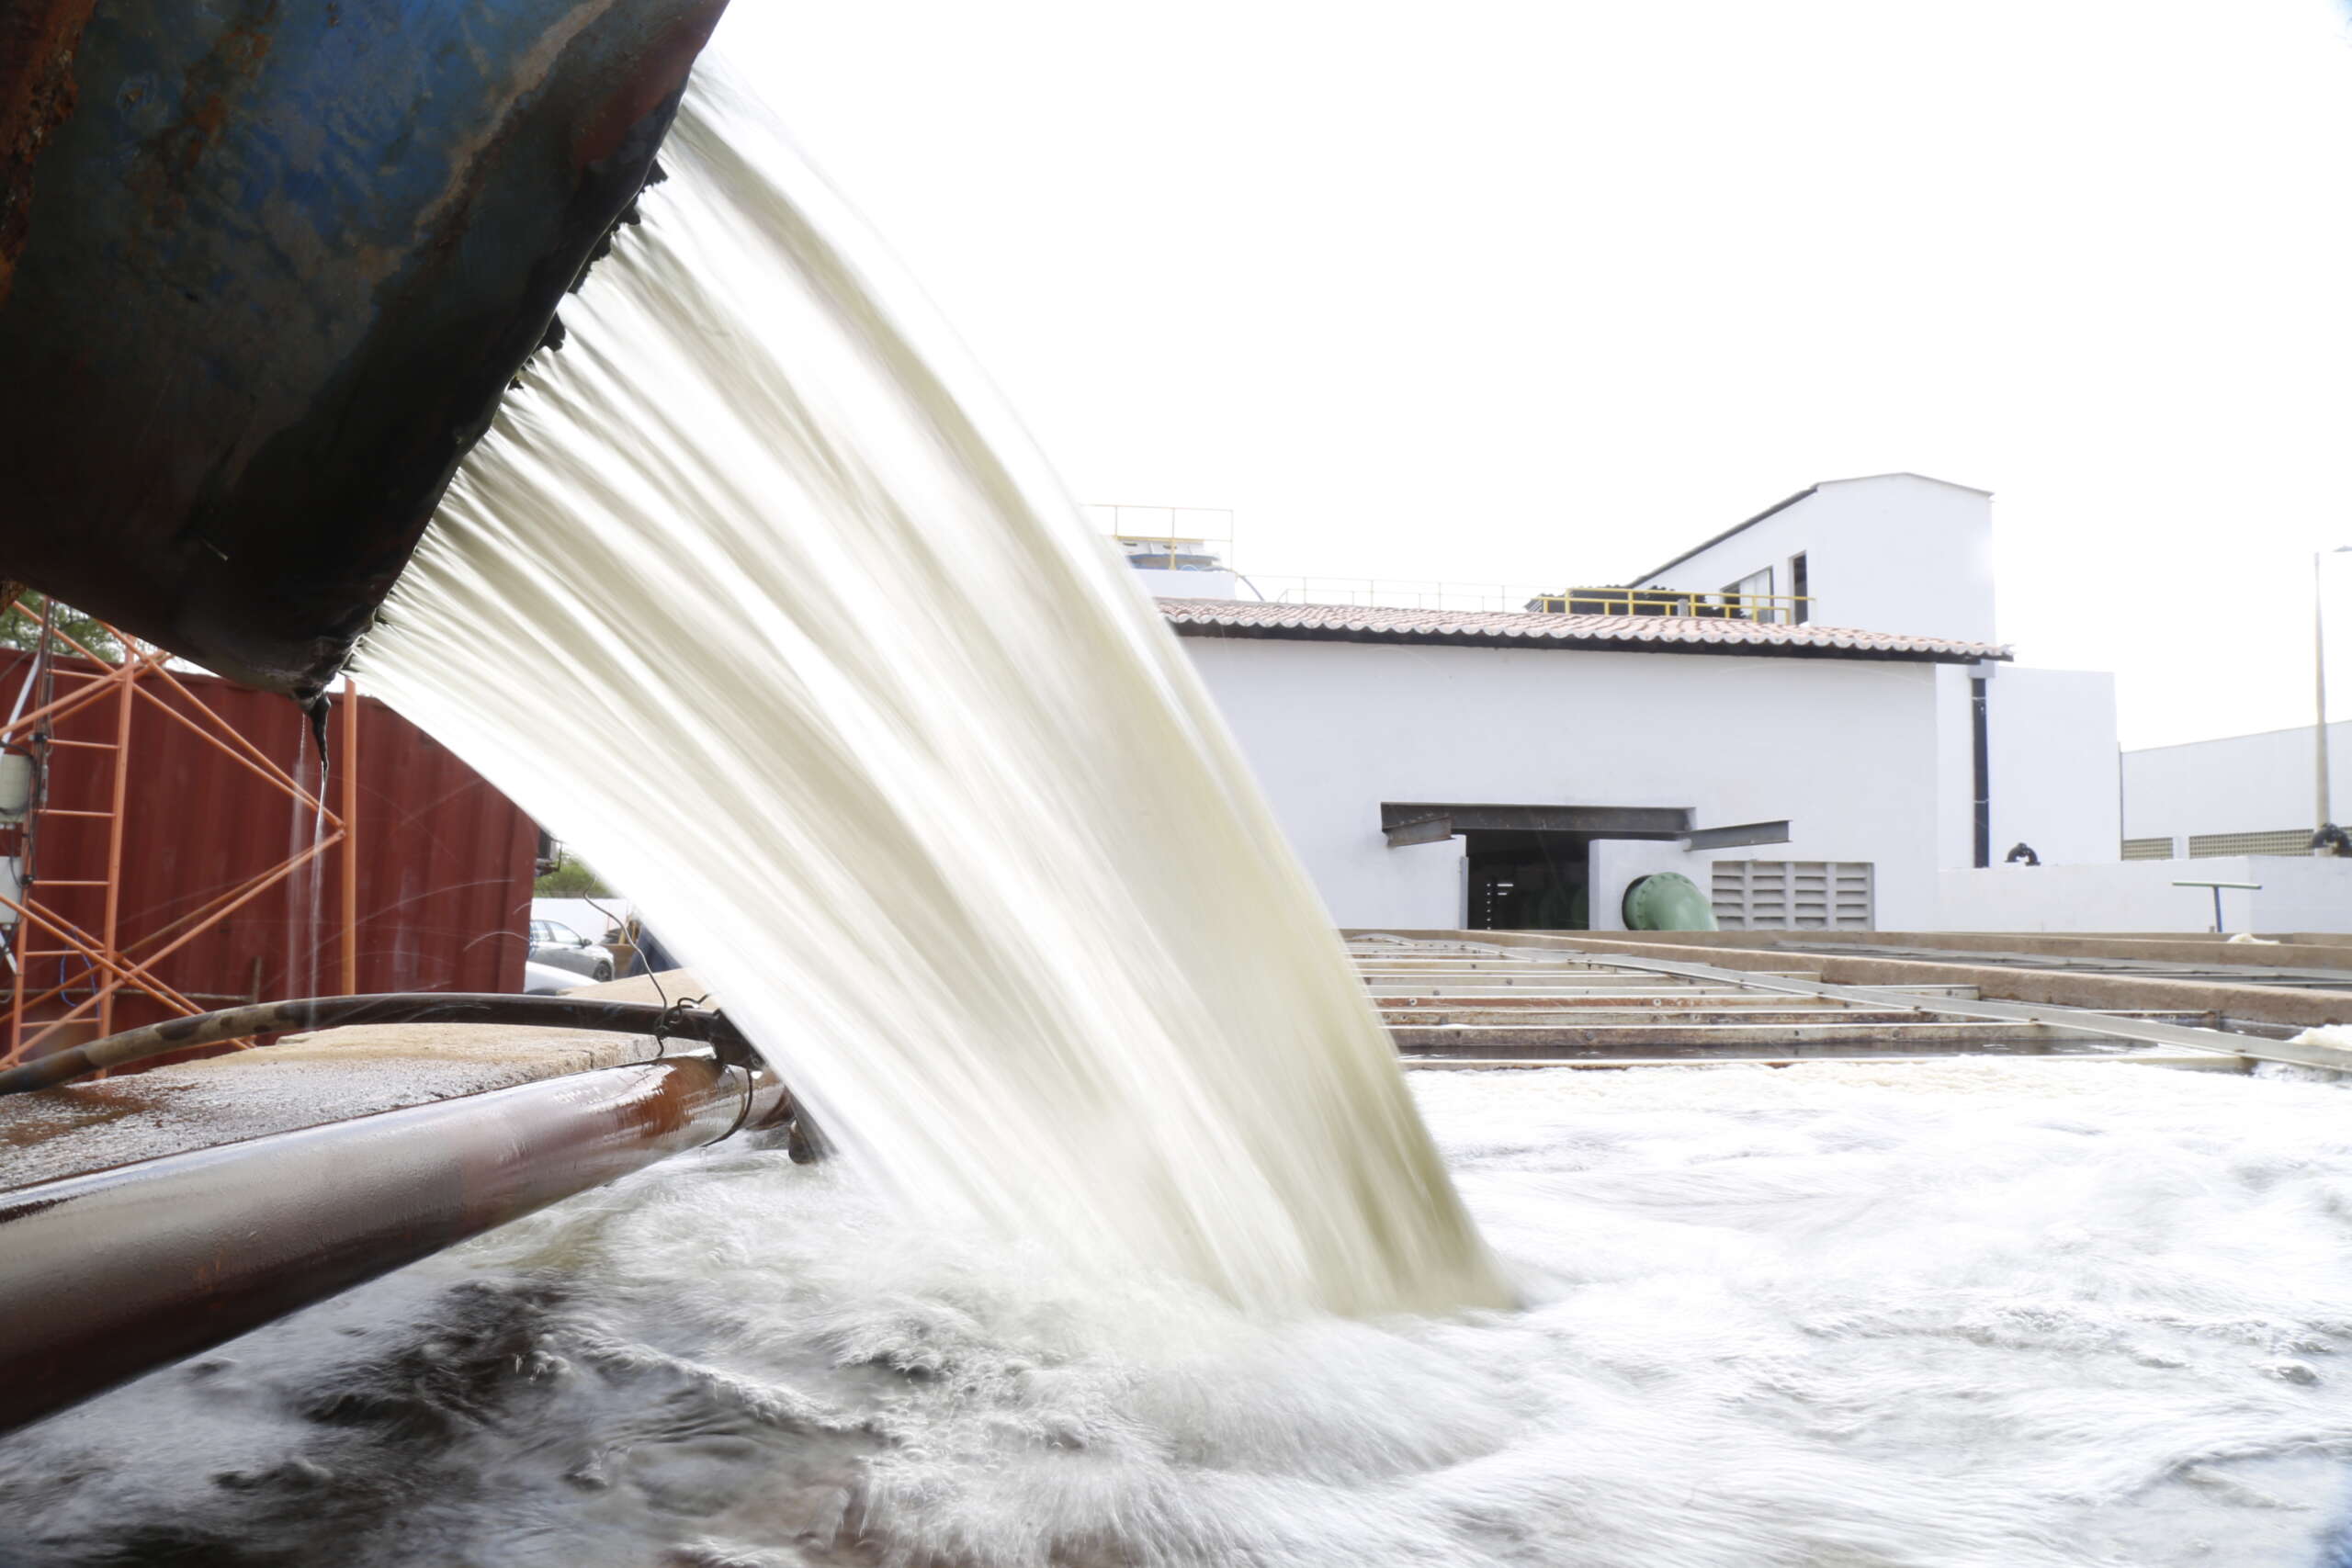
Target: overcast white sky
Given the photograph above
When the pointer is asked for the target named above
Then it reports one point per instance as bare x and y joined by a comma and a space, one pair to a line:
1541, 291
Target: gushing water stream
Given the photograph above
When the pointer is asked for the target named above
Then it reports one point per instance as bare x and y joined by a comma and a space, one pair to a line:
751, 597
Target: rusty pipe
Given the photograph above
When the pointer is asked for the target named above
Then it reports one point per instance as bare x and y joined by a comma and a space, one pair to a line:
681, 1022
111, 1274
267, 267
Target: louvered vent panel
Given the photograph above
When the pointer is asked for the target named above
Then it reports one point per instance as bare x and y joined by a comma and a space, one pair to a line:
1795, 895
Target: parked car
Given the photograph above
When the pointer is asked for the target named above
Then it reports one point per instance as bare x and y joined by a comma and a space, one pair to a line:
555, 943
547, 980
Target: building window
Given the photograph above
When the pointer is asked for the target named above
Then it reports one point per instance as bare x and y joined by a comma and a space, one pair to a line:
1799, 611
1750, 599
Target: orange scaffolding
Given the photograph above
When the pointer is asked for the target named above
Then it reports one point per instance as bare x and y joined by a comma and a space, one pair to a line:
107, 968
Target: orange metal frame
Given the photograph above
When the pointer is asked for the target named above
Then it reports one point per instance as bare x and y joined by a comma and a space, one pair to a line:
108, 967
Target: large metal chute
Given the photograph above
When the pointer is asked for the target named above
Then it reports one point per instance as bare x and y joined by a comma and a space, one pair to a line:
267, 267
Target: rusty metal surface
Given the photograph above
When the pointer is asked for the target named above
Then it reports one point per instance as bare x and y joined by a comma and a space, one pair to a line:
445, 866
105, 1276
281, 260
682, 1023
37, 39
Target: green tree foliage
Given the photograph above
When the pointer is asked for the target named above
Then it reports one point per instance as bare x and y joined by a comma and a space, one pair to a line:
21, 628
571, 878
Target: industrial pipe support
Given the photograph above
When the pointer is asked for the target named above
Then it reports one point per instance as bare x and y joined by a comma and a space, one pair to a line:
676, 1021
111, 1274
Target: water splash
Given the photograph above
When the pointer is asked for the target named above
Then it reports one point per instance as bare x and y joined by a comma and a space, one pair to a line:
1979, 1315
753, 596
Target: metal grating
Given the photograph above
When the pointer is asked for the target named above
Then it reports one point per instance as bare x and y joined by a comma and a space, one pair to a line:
2285, 841
1795, 895
2148, 849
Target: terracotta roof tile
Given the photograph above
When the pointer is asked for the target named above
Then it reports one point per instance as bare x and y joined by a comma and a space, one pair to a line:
1504, 629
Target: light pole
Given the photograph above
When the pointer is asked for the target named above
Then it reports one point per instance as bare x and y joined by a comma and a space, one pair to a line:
2319, 685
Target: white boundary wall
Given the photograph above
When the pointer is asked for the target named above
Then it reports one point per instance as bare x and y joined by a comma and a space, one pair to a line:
2241, 784
2298, 895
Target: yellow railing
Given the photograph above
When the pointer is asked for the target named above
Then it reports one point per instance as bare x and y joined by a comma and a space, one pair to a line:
1782, 608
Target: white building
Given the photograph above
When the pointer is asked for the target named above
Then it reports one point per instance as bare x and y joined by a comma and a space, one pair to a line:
1809, 714
2242, 809
2240, 794
1868, 552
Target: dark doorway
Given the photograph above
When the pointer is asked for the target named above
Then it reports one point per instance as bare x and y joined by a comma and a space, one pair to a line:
1528, 865
1532, 881
1523, 881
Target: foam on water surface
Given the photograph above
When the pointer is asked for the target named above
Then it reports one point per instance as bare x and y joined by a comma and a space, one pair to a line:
1983, 1315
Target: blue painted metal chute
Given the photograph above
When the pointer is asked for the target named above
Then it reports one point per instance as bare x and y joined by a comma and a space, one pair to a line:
267, 267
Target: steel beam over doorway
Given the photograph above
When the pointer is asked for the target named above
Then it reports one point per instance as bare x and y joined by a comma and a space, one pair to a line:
1611, 821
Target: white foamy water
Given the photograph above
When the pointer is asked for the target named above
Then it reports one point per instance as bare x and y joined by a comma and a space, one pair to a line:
1978, 1316
754, 599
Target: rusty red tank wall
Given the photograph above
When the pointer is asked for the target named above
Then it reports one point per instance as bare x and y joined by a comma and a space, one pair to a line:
445, 861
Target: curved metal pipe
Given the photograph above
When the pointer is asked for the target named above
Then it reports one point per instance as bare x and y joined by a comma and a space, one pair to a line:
109, 1275
675, 1023
274, 264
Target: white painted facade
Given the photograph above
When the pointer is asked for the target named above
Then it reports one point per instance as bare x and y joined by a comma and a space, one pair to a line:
2055, 776
2262, 783
1890, 553
1869, 760
1845, 749
1904, 552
